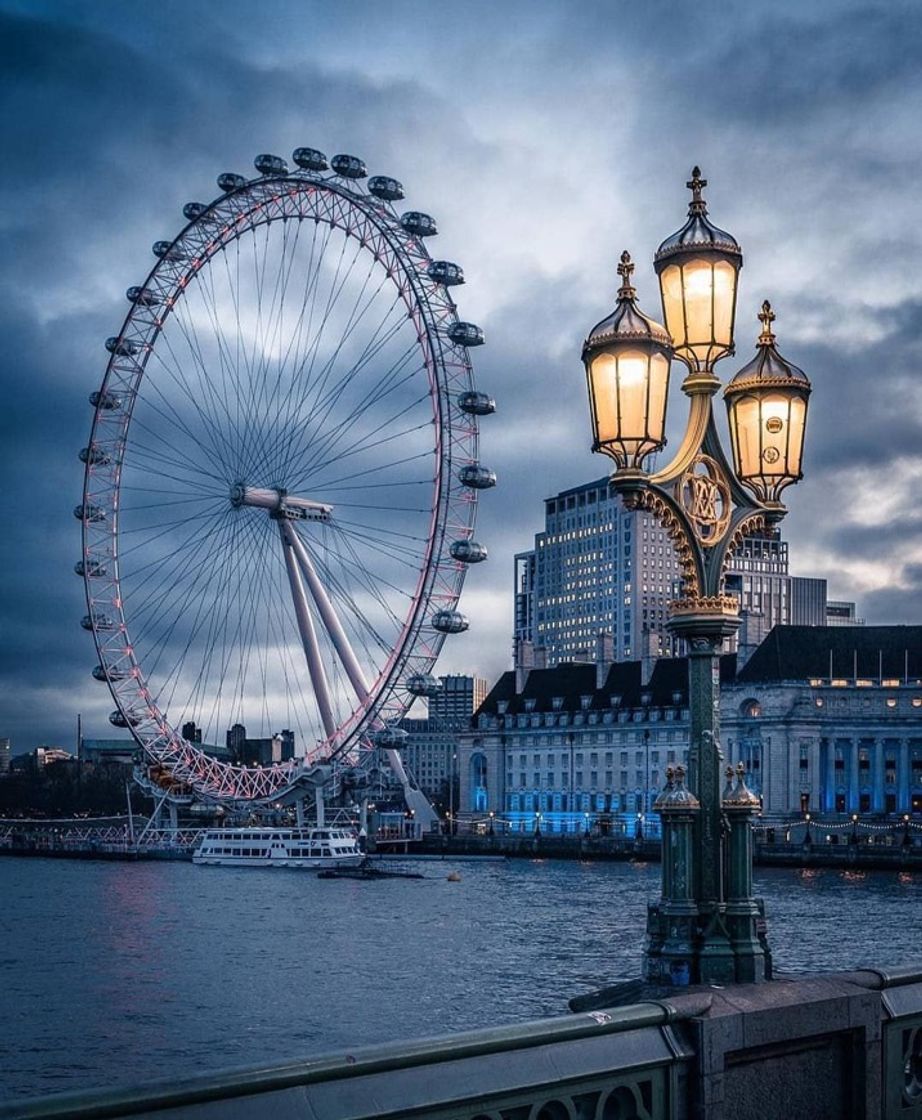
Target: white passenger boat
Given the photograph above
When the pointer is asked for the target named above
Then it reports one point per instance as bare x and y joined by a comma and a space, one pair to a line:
279, 847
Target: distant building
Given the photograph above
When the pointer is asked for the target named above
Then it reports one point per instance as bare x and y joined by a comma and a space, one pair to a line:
235, 739
252, 752
828, 720
40, 758
460, 696
428, 755
5, 756
808, 602
431, 749
98, 751
842, 614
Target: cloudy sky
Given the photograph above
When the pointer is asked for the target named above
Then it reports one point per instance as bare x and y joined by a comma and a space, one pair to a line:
545, 137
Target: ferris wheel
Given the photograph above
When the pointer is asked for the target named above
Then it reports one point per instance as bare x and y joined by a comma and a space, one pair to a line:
281, 480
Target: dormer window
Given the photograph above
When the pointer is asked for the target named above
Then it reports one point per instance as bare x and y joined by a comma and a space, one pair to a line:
530, 704
646, 699
584, 702
677, 697
502, 706
557, 703
615, 699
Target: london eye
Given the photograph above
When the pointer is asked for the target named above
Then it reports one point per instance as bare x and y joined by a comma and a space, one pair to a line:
281, 479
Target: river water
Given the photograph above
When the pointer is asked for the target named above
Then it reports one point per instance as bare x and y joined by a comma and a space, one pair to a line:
121, 972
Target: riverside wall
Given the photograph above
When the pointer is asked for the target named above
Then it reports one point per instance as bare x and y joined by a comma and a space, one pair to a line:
840, 1046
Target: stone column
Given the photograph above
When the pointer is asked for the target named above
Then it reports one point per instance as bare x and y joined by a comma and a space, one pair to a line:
742, 911
903, 798
877, 796
853, 799
829, 800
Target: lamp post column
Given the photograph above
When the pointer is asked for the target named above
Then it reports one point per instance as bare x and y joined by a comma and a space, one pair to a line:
704, 632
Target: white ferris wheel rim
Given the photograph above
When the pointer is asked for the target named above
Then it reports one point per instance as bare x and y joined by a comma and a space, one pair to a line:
374, 224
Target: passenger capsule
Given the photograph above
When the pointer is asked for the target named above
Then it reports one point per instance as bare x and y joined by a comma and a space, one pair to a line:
350, 167
477, 477
128, 719
89, 513
465, 334
90, 568
100, 673
193, 210
123, 347
423, 684
143, 296
97, 622
270, 165
310, 159
422, 225
94, 455
228, 181
468, 552
449, 622
446, 272
167, 251
106, 401
476, 404
391, 737
382, 186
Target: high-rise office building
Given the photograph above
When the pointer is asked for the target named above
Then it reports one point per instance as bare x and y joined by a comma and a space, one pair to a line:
596, 569
5, 756
457, 700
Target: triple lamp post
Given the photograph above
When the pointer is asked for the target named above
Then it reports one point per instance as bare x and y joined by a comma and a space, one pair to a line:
707, 927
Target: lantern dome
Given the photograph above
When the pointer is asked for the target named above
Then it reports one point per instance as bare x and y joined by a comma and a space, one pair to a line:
699, 231
698, 266
767, 412
627, 358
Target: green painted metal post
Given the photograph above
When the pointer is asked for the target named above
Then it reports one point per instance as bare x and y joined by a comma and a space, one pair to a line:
743, 910
672, 925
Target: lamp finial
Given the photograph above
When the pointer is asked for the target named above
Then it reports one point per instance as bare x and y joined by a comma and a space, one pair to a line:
766, 318
696, 184
625, 268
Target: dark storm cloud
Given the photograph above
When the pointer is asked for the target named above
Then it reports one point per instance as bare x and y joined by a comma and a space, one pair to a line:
545, 137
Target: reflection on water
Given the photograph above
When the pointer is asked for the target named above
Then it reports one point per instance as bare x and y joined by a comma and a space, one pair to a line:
125, 972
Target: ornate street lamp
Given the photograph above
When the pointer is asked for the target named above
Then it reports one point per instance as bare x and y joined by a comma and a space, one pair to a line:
708, 508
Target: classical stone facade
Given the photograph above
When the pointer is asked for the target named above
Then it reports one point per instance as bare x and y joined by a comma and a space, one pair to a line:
587, 745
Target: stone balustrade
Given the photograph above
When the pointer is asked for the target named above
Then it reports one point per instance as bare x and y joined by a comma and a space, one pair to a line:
823, 1047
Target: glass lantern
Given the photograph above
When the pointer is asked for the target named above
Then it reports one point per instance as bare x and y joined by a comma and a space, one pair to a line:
767, 412
698, 267
627, 359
